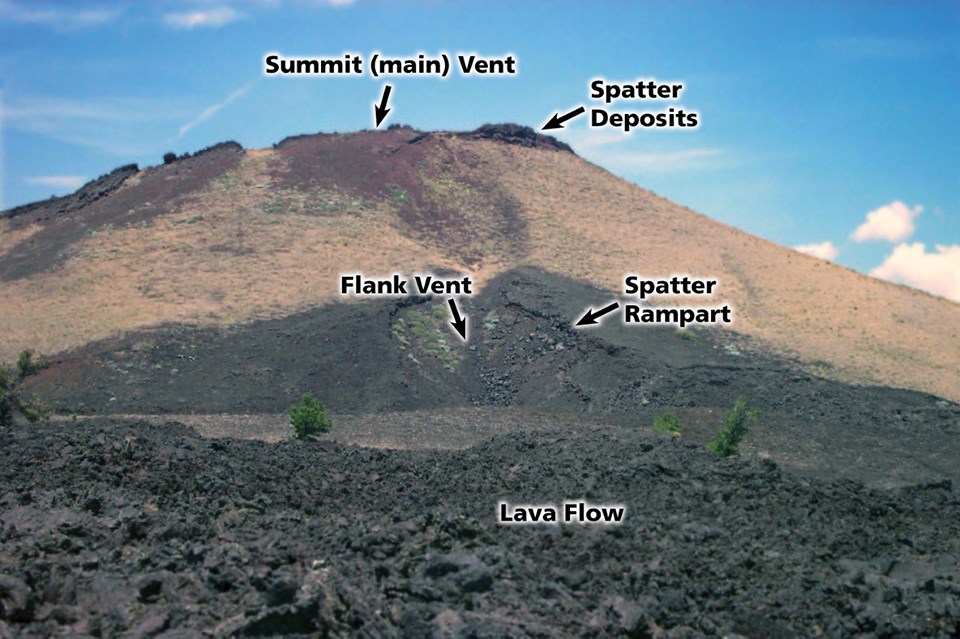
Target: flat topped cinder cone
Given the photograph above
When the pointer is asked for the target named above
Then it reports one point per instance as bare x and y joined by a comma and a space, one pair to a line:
228, 235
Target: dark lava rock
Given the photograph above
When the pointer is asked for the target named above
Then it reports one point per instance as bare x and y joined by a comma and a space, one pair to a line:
296, 539
16, 599
283, 621
84, 196
620, 618
517, 134
466, 572
525, 354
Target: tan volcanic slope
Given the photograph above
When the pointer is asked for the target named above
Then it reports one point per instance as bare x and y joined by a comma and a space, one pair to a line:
271, 232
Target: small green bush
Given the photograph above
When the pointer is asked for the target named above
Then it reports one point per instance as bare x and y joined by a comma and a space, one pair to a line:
735, 427
12, 400
308, 418
399, 193
668, 423
30, 362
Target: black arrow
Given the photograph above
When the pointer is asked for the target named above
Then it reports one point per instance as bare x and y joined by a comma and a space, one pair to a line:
459, 323
591, 317
556, 122
381, 110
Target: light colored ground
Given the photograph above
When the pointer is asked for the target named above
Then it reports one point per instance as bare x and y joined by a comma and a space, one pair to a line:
245, 249
239, 251
590, 225
449, 429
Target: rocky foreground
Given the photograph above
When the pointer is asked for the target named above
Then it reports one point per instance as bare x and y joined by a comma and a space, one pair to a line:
113, 529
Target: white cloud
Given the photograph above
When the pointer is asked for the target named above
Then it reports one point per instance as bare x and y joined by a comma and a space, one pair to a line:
277, 3
41, 108
824, 250
213, 17
690, 159
112, 124
55, 16
214, 14
937, 273
332, 3
59, 181
585, 139
213, 109
892, 222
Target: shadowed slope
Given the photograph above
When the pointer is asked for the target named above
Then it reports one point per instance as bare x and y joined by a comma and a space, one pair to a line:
401, 355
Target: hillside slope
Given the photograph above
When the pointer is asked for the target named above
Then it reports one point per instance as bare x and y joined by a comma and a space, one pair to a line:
228, 236
388, 356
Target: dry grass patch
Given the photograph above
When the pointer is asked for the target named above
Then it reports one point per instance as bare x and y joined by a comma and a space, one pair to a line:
238, 251
11, 236
590, 225
271, 236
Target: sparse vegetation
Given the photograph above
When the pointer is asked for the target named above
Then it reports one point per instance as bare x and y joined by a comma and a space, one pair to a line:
12, 400
668, 423
736, 424
687, 334
190, 220
730, 349
425, 332
308, 418
399, 194
276, 206
30, 362
491, 320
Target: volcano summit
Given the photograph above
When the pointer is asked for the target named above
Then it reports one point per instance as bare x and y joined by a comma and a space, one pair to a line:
184, 307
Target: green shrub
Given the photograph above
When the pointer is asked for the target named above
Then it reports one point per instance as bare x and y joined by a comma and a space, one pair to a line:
735, 427
308, 418
399, 193
668, 423
30, 362
12, 400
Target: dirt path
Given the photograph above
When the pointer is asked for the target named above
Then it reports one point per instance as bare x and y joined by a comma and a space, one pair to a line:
899, 455
453, 429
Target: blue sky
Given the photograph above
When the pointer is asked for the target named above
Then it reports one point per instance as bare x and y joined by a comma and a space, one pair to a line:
826, 125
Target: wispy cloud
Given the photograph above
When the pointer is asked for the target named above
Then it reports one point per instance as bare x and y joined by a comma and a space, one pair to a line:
937, 273
213, 17
55, 16
275, 3
685, 160
824, 250
213, 109
891, 222
58, 181
269, 4
214, 14
46, 108
104, 123
587, 139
